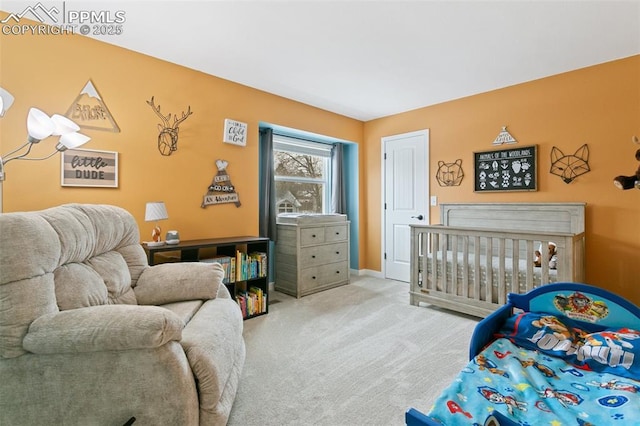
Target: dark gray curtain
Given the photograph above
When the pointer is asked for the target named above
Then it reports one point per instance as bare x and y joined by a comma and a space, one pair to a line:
267, 202
338, 195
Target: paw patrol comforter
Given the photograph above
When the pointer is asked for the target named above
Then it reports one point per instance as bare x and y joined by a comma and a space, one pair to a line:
543, 370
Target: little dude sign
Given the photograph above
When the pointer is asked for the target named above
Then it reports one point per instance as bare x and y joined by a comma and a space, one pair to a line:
83, 167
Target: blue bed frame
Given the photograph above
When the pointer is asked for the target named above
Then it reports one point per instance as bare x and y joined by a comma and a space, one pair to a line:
623, 313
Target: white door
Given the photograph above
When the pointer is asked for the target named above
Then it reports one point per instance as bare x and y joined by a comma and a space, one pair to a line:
406, 191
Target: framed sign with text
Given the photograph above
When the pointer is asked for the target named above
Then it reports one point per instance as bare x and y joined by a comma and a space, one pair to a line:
85, 167
512, 169
235, 132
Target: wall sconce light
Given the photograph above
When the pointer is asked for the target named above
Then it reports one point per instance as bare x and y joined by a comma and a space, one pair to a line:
40, 126
6, 100
154, 212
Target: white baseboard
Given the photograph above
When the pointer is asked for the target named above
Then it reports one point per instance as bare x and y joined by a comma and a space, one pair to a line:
367, 272
355, 272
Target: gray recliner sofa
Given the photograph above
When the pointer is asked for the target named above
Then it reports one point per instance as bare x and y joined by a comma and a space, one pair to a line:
92, 335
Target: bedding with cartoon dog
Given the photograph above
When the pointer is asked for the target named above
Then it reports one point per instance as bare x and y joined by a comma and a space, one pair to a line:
570, 357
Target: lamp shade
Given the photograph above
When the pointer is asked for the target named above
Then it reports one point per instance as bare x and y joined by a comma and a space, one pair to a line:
63, 125
155, 211
6, 100
39, 125
71, 140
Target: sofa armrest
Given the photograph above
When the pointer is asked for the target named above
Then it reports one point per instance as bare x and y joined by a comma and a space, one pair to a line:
103, 328
177, 282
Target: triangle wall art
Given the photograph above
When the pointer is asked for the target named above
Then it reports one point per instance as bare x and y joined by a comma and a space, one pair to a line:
89, 111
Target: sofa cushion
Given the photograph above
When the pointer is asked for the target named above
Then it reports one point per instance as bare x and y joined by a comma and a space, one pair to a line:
20, 303
78, 286
101, 280
42, 252
115, 275
213, 343
103, 328
30, 247
87, 230
29, 253
175, 282
184, 310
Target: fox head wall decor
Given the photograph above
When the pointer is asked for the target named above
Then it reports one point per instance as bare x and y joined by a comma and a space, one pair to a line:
570, 166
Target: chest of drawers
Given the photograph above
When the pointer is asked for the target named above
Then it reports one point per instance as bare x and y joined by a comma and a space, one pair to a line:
312, 253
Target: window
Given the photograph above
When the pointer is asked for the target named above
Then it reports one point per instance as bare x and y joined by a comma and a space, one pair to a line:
302, 172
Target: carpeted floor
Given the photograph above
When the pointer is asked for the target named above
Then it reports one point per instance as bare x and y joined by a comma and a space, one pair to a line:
359, 354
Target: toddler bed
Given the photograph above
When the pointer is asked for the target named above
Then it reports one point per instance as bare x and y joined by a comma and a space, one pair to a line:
563, 353
483, 251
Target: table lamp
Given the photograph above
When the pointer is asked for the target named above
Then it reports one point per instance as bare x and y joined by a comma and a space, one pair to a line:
154, 212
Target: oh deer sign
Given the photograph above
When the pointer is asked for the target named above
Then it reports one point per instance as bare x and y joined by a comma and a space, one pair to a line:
168, 137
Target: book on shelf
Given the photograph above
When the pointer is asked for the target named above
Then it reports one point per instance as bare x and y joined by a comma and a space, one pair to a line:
259, 262
252, 302
250, 265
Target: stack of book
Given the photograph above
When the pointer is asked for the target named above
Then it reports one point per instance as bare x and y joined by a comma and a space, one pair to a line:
250, 265
252, 302
242, 267
245, 267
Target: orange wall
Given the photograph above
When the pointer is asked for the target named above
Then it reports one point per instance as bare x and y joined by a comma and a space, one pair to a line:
599, 106
48, 72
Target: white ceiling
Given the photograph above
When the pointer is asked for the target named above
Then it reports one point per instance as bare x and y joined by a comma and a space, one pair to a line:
369, 59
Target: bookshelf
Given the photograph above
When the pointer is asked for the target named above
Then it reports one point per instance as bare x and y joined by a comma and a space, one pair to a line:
245, 260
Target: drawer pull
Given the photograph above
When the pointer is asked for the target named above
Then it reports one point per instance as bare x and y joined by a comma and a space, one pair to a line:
337, 252
313, 277
337, 233
313, 256
313, 236
337, 272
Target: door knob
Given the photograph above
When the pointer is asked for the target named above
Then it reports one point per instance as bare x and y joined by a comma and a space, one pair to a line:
419, 217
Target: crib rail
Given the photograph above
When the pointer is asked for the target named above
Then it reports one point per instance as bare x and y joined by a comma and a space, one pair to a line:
472, 270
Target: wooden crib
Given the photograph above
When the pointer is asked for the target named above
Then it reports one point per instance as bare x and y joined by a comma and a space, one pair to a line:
482, 252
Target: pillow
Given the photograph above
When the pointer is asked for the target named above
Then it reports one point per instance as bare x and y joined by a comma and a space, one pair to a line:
615, 351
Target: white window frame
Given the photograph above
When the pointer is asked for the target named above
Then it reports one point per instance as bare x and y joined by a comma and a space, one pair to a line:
301, 146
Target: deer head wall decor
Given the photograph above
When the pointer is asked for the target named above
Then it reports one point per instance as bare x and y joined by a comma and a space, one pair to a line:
168, 137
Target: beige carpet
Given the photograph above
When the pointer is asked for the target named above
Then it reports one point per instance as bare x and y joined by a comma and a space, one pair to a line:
355, 355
